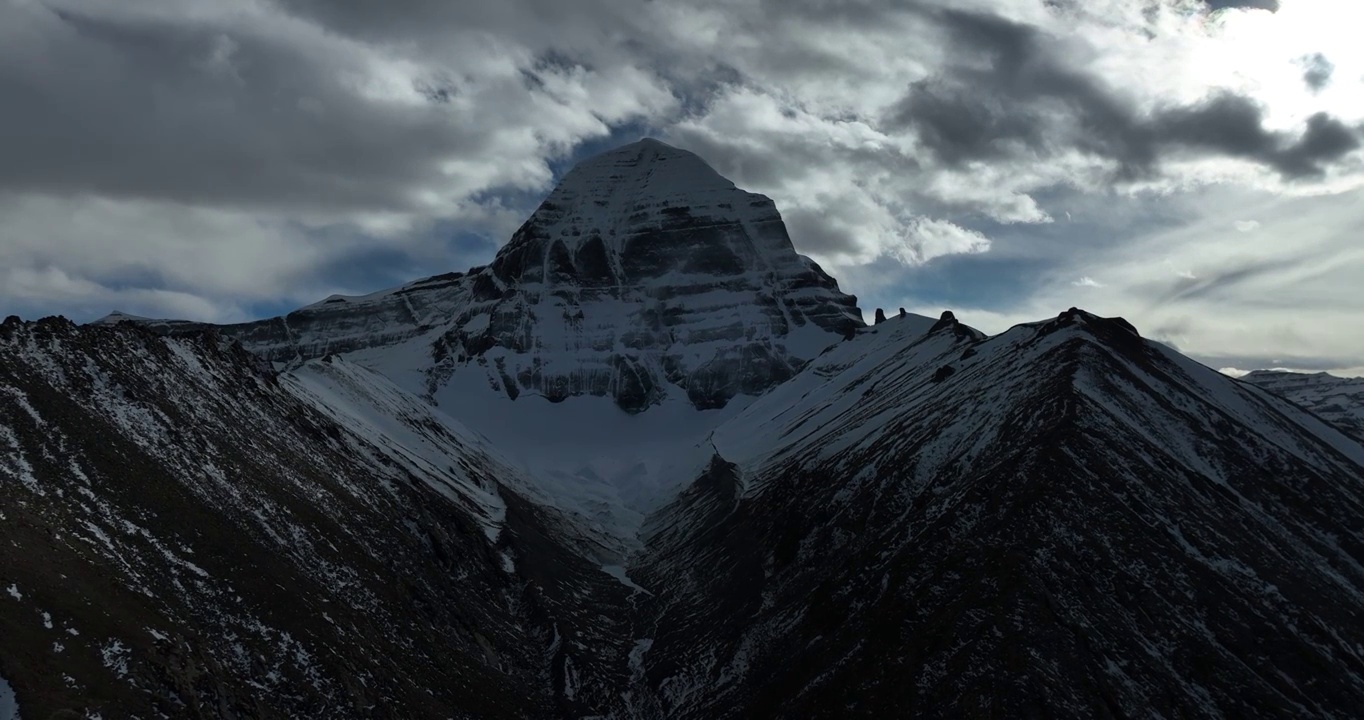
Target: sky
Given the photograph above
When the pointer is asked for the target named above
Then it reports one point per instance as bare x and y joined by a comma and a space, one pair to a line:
1194, 166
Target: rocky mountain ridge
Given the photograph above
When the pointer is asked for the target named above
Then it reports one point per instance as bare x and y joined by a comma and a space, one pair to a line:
1063, 520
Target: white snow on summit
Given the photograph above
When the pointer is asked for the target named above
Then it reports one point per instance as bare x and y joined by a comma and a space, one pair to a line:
625, 191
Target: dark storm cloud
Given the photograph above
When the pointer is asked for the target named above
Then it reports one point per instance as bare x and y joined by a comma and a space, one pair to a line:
1014, 92
179, 108
244, 107
1015, 100
1317, 71
189, 113
1270, 5
1325, 140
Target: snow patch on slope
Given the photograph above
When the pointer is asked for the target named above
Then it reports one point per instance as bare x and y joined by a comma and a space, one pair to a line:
9, 705
414, 434
588, 457
618, 572
792, 415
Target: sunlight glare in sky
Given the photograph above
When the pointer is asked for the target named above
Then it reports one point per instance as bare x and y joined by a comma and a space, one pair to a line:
1267, 51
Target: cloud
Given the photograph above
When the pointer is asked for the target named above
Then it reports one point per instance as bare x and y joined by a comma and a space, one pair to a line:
930, 238
1270, 5
1317, 71
233, 153
1246, 226
52, 284
1022, 95
1326, 140
252, 108
1087, 281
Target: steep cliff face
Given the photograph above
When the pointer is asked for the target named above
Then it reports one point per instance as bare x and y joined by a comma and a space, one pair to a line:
643, 275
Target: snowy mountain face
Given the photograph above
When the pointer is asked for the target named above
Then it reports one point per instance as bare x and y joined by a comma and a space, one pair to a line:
1338, 399
649, 464
644, 274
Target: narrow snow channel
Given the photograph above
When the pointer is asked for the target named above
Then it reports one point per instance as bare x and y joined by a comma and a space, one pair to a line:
618, 572
9, 705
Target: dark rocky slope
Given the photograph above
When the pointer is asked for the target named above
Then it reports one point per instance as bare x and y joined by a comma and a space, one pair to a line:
1062, 521
1073, 523
185, 537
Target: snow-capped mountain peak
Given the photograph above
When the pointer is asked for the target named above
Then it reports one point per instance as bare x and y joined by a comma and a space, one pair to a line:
621, 205
626, 189
643, 275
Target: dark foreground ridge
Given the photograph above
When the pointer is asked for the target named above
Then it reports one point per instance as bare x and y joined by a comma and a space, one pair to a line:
186, 536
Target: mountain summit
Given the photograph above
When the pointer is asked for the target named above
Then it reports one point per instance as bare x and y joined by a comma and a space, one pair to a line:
648, 212
619, 197
643, 275
645, 270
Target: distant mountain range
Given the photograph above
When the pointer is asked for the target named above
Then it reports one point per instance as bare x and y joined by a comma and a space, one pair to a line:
650, 463
1338, 399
